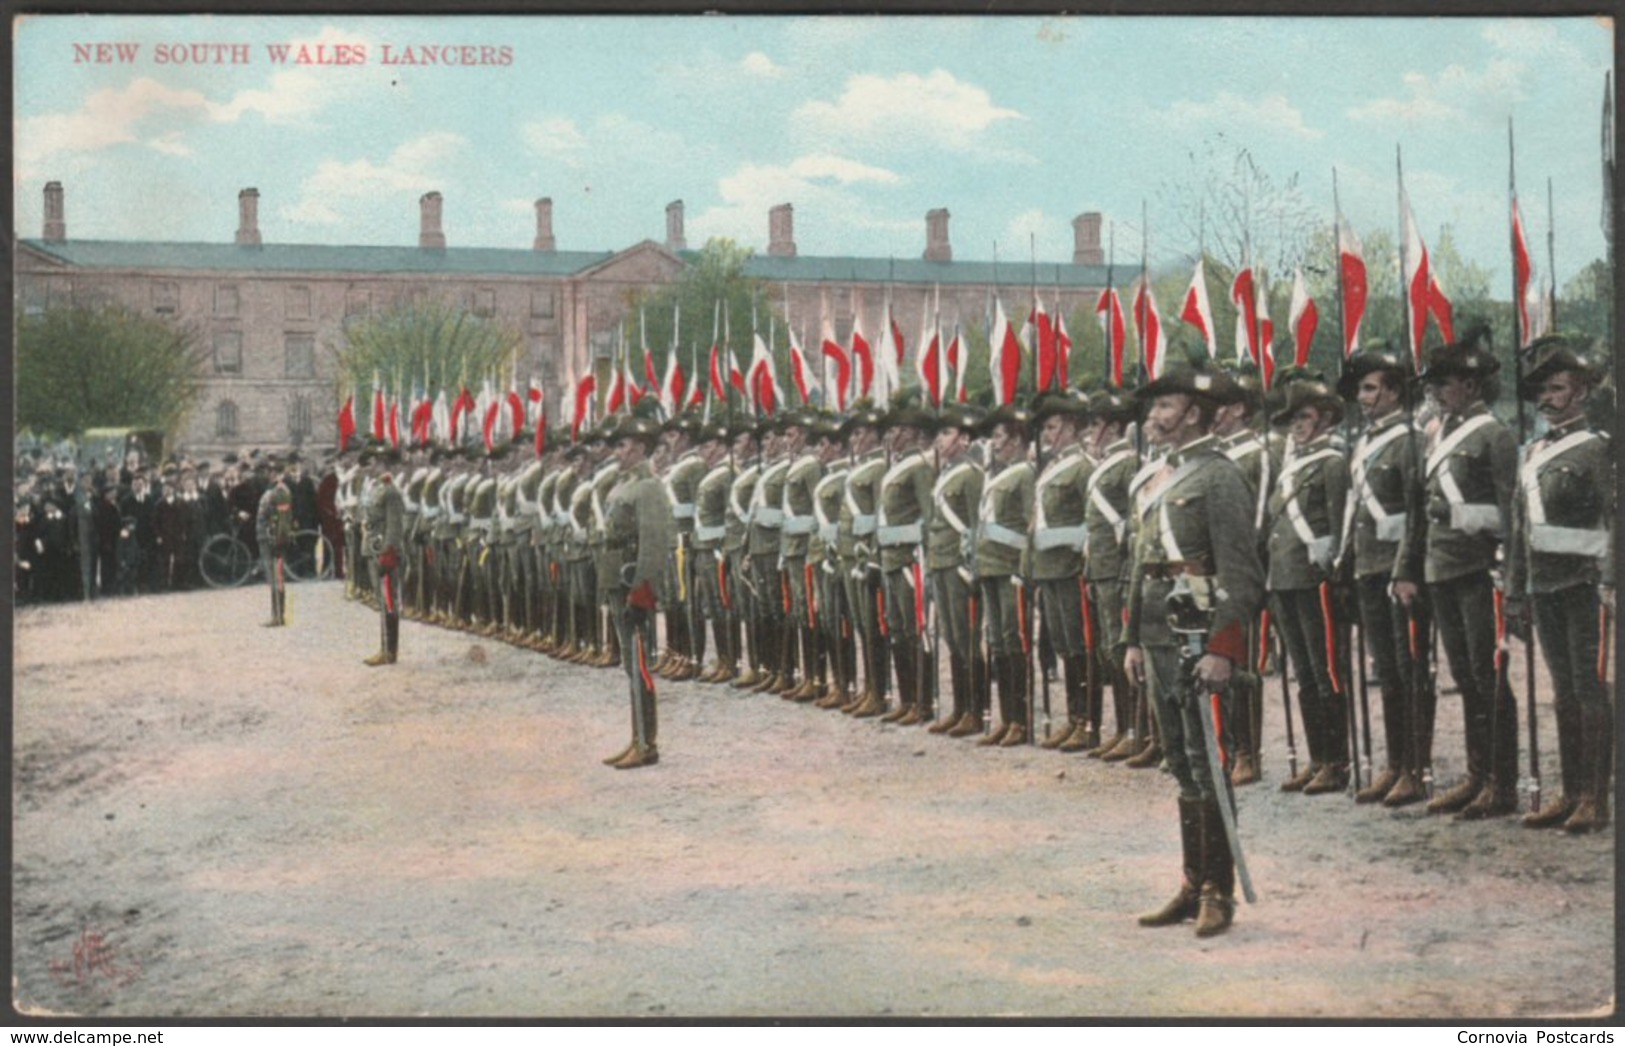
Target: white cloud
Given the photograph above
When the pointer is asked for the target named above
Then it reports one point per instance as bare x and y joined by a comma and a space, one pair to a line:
1453, 94
816, 184
758, 64
903, 110
171, 144
557, 139
109, 117
611, 141
414, 167
1232, 111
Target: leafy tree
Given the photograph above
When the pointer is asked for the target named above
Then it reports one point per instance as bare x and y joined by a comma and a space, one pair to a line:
80, 368
711, 292
429, 345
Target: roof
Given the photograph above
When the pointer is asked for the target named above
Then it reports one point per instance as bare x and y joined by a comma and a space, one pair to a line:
499, 261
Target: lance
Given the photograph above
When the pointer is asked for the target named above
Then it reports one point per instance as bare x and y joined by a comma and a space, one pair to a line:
1518, 337
1043, 646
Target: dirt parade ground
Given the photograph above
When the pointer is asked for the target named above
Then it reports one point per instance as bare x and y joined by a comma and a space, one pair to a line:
215, 819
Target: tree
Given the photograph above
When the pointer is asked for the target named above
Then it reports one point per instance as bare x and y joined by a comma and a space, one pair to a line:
429, 345
713, 289
80, 368
1229, 206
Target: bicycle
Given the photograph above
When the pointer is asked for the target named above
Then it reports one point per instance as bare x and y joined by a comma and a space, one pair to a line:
227, 561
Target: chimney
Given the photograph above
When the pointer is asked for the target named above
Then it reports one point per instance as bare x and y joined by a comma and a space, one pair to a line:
674, 227
781, 231
248, 218
1086, 239
56, 226
429, 235
544, 225
937, 247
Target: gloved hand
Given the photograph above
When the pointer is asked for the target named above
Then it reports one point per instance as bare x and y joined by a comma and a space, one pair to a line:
642, 598
389, 558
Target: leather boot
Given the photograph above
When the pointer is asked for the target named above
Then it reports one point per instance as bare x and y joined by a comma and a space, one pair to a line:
1552, 815
383, 657
1109, 746
1493, 800
1332, 777
1591, 812
1456, 798
747, 679
903, 665
1185, 903
1218, 901
622, 754
969, 724
648, 755
1085, 738
1016, 672
1407, 790
1062, 733
997, 663
1245, 772
956, 687
1150, 755
1297, 781
1378, 790
871, 705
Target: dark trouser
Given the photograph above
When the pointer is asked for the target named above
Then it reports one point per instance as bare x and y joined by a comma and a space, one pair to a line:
387, 583
1408, 700
1106, 599
861, 598
903, 602
772, 640
636, 629
1180, 708
1004, 608
835, 626
276, 579
967, 668
1061, 600
1465, 608
1325, 712
1567, 622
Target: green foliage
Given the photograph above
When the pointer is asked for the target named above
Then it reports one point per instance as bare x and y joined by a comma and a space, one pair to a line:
712, 292
79, 368
444, 345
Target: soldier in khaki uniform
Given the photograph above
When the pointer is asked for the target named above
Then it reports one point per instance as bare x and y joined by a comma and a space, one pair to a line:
949, 545
1384, 475
1562, 558
802, 474
1469, 477
1004, 521
710, 565
859, 567
901, 520
637, 525
1303, 521
832, 615
1195, 533
1059, 534
685, 645
382, 540
736, 548
1106, 556
603, 595
775, 650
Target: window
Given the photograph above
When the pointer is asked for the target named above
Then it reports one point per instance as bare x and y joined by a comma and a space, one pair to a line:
225, 300
357, 302
300, 359
541, 304
299, 426
225, 420
483, 302
296, 303
228, 352
166, 298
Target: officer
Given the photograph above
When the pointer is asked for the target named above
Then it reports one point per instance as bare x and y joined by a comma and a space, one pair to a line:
1106, 560
382, 535
1385, 470
1469, 477
901, 521
1562, 557
1003, 523
1195, 534
637, 525
855, 549
949, 544
274, 530
1303, 520
1059, 534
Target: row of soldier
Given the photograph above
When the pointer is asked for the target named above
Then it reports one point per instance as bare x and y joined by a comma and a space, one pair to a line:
837, 560
137, 528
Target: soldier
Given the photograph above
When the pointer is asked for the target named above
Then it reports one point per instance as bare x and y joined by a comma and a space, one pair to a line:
1562, 557
708, 567
1004, 519
382, 536
950, 542
774, 650
685, 641
1469, 476
412, 569
1303, 520
855, 535
1194, 536
1384, 475
1060, 505
273, 525
578, 554
1106, 559
603, 592
834, 641
637, 524
1260, 461
735, 547
800, 521
903, 517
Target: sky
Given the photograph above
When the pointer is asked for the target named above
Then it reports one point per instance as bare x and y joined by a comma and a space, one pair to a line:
864, 124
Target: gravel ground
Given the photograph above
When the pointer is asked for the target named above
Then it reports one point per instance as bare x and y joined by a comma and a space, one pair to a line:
211, 819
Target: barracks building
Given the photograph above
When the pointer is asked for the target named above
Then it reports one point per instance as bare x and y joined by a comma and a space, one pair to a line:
271, 317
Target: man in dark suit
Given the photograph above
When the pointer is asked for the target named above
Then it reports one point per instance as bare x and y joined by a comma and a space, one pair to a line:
139, 508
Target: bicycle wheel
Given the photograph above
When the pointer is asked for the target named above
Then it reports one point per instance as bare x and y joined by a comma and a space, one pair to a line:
225, 562
310, 557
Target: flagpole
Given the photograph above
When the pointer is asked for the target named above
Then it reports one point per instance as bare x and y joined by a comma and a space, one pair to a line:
1111, 261
1404, 267
1144, 316
1032, 254
1551, 253
1337, 274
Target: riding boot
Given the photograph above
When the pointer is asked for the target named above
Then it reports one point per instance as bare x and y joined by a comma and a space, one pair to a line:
1591, 811
393, 636
1185, 903
902, 657
999, 664
1016, 670
1218, 899
924, 710
956, 688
